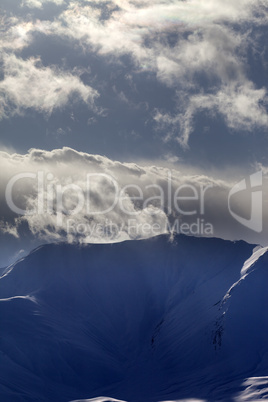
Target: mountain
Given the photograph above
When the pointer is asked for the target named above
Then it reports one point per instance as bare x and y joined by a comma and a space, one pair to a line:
138, 321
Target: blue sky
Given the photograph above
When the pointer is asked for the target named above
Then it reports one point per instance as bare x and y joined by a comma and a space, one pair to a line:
174, 84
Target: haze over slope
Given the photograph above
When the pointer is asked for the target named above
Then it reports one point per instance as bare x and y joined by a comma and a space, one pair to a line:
140, 321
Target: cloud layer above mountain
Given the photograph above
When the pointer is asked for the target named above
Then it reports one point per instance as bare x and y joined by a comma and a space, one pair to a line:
65, 195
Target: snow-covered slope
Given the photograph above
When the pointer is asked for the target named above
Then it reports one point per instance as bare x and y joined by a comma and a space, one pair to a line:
138, 321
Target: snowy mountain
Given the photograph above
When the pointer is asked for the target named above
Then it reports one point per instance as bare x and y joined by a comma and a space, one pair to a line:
138, 321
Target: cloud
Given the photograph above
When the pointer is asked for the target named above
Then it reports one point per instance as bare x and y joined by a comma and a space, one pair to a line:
40, 3
28, 84
142, 29
74, 196
6, 228
16, 34
196, 47
211, 69
242, 106
206, 64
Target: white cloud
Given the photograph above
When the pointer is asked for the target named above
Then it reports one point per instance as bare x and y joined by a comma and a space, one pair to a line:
207, 61
7, 228
16, 34
40, 3
28, 84
206, 65
133, 22
241, 105
218, 54
123, 199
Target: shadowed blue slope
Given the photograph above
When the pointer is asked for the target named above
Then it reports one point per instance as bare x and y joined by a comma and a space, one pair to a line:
138, 321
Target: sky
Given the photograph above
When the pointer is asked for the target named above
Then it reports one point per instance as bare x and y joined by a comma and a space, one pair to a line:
137, 93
